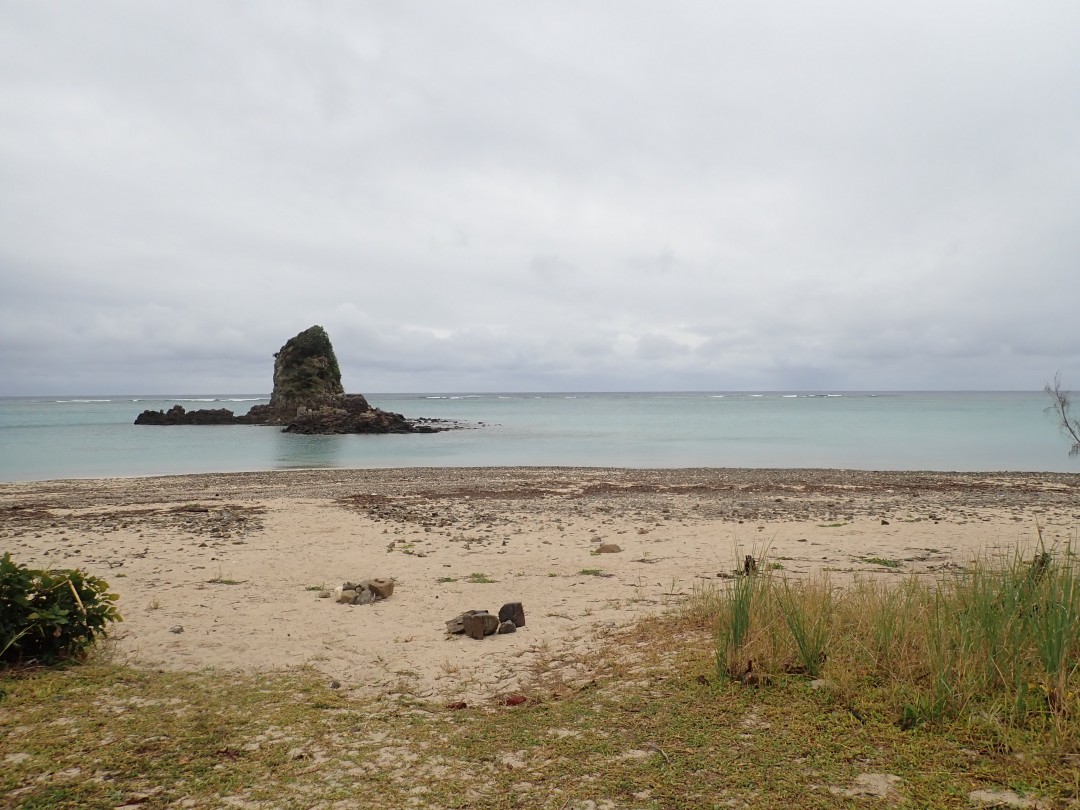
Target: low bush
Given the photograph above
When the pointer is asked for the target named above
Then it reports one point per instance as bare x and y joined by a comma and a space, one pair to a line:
50, 616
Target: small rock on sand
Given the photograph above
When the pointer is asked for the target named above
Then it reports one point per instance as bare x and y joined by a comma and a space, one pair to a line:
880, 785
1004, 798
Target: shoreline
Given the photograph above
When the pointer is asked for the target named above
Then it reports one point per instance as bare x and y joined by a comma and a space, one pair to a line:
732, 476
237, 559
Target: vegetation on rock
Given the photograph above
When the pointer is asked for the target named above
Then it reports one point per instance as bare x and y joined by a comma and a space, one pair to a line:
306, 374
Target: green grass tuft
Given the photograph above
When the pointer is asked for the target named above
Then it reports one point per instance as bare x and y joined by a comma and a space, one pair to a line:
885, 562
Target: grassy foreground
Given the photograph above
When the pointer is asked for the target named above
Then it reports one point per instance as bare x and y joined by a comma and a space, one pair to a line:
670, 720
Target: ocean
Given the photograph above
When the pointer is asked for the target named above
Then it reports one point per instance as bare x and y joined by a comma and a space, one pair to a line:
43, 438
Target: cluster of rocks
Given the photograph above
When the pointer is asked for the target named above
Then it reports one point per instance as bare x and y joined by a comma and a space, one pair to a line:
351, 414
363, 592
307, 398
178, 415
479, 623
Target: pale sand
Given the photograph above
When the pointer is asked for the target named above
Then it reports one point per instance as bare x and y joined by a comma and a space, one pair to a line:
161, 543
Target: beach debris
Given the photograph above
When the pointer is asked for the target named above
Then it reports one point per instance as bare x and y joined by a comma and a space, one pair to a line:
364, 592
608, 548
479, 623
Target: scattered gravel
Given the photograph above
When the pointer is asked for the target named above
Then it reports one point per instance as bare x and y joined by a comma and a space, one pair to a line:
745, 494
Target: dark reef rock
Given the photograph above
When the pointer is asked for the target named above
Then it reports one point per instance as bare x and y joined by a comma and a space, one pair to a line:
352, 414
307, 398
176, 415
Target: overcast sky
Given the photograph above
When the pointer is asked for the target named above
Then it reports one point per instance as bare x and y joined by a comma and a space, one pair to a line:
479, 196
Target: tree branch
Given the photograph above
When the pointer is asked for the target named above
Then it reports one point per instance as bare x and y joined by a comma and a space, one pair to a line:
1062, 410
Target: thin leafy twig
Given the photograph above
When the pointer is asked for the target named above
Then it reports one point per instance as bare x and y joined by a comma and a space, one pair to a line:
1062, 409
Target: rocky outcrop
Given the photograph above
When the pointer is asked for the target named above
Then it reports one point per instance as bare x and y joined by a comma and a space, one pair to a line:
176, 415
352, 414
306, 378
307, 398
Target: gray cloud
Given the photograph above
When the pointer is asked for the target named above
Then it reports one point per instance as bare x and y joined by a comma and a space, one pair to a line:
555, 196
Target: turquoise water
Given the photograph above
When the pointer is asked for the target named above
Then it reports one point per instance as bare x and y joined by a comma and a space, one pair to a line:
79, 437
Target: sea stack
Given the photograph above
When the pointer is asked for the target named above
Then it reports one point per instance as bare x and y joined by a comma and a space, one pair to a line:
306, 376
307, 398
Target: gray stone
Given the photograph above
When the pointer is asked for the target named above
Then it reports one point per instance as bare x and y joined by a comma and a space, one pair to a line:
364, 597
512, 612
878, 785
1004, 798
506, 627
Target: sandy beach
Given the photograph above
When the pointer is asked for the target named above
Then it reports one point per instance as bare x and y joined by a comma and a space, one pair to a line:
226, 570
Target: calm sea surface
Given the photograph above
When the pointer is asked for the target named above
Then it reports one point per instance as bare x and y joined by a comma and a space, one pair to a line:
79, 437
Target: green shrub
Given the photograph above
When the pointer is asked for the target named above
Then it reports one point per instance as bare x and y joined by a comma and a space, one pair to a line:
49, 616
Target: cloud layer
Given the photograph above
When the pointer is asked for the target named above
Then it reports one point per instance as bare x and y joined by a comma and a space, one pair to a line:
557, 196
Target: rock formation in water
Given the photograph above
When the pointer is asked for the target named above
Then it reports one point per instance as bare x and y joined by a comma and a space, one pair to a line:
306, 378
177, 415
307, 398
